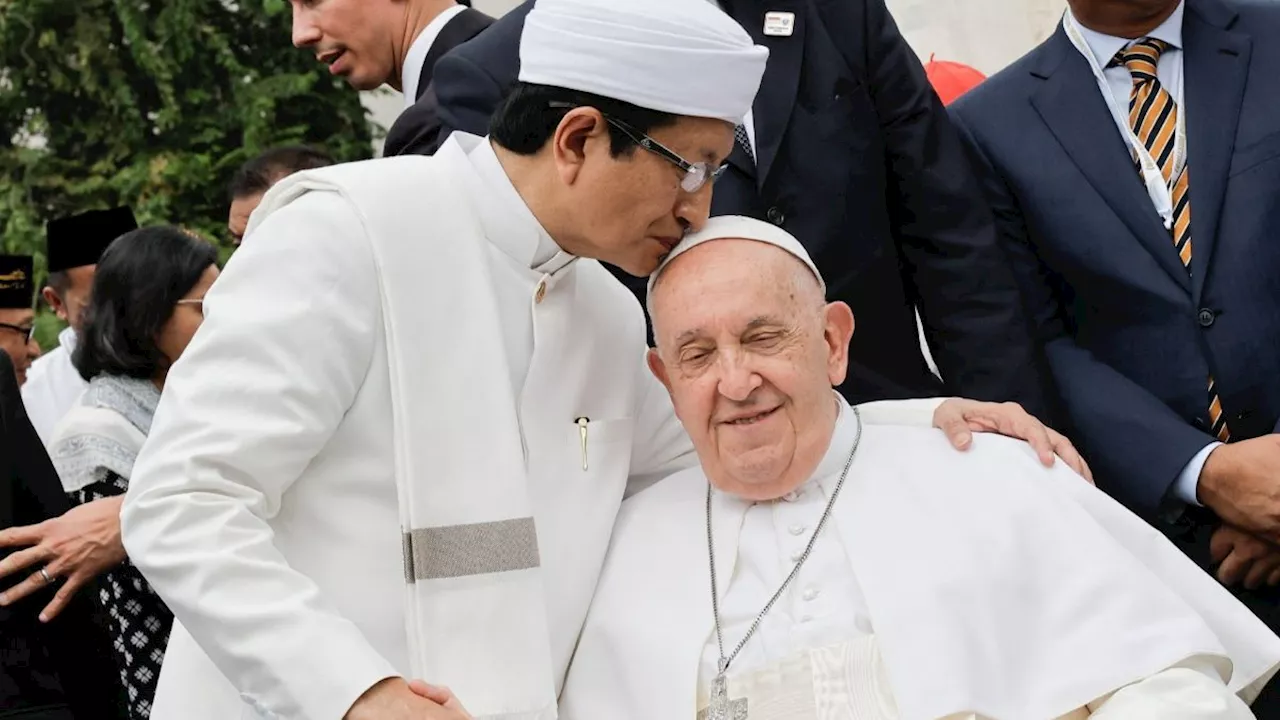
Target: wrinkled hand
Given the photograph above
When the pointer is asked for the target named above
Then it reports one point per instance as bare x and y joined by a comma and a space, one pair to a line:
73, 548
960, 418
392, 699
440, 695
1241, 483
1244, 556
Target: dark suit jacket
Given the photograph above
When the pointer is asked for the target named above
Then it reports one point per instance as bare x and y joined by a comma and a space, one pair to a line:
62, 670
1130, 337
858, 160
416, 129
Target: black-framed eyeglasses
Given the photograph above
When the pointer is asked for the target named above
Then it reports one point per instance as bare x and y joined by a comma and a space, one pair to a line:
25, 332
695, 174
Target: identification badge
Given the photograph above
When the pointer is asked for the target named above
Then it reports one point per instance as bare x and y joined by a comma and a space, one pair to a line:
779, 24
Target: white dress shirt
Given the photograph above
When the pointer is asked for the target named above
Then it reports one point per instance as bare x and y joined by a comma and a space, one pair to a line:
53, 386
1119, 79
412, 70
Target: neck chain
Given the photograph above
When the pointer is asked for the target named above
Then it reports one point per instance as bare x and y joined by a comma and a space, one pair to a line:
711, 553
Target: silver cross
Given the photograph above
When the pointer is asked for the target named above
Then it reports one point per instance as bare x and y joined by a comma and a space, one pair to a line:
721, 707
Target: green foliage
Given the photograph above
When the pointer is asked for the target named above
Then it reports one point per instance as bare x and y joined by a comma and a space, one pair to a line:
153, 104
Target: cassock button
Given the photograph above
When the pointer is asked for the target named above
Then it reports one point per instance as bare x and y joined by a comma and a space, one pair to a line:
541, 291
795, 556
810, 594
796, 529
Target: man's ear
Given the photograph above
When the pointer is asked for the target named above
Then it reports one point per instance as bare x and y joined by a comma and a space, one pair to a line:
577, 132
838, 333
54, 302
658, 368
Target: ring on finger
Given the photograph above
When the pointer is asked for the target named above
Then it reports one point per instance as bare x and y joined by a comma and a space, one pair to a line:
44, 573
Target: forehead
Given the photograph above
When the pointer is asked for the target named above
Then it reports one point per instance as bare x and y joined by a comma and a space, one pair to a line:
82, 275
722, 280
17, 316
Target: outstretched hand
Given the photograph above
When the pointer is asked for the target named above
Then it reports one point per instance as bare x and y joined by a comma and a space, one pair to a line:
960, 418
72, 549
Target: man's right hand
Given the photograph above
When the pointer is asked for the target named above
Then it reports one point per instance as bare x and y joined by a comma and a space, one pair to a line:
1241, 483
1241, 556
392, 699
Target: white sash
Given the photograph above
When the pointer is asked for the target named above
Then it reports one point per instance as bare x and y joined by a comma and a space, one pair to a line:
475, 608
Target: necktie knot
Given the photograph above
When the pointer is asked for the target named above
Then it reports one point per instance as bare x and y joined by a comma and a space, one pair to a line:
1141, 58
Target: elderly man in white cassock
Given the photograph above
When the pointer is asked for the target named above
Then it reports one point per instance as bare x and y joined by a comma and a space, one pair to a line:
817, 567
397, 446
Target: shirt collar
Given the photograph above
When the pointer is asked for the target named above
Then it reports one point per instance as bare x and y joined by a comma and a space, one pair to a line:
418, 53
67, 339
847, 431
527, 242
1105, 47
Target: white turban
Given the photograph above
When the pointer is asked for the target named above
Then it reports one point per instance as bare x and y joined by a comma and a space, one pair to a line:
683, 57
735, 227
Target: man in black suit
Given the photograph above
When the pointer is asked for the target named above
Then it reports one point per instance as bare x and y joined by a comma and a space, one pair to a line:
60, 670
849, 149
351, 37
1155, 301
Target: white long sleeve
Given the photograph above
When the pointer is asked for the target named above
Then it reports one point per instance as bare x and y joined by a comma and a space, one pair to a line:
914, 413
285, 347
1189, 692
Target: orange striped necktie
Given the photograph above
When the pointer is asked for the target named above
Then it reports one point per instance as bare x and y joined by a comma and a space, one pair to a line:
1153, 115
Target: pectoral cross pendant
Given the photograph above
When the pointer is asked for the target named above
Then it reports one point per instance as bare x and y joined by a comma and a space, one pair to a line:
721, 707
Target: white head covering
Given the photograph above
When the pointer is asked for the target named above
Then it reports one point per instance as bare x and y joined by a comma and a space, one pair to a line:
727, 227
684, 57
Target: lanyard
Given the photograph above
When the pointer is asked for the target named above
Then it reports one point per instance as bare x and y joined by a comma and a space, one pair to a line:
1160, 191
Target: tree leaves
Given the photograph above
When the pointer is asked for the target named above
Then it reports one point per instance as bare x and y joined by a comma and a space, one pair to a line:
153, 104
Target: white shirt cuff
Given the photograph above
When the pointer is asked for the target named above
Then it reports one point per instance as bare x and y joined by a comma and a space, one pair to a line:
1188, 482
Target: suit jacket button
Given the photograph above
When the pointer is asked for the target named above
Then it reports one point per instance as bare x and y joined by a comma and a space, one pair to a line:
1206, 317
776, 216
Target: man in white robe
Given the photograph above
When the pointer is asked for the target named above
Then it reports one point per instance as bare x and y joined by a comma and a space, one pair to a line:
867, 572
397, 445
72, 248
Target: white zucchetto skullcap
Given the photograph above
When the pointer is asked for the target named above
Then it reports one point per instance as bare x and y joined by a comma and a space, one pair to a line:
683, 57
735, 227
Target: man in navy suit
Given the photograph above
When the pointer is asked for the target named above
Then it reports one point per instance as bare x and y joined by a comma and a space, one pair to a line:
849, 149
1133, 164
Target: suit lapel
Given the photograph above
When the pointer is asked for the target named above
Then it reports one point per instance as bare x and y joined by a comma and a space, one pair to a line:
460, 28
1216, 64
772, 108
1071, 104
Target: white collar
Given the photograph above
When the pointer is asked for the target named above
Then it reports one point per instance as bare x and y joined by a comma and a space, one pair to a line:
67, 339
1105, 47
418, 52
522, 237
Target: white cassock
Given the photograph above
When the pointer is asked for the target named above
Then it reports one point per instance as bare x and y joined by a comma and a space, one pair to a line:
264, 508
53, 386
966, 586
